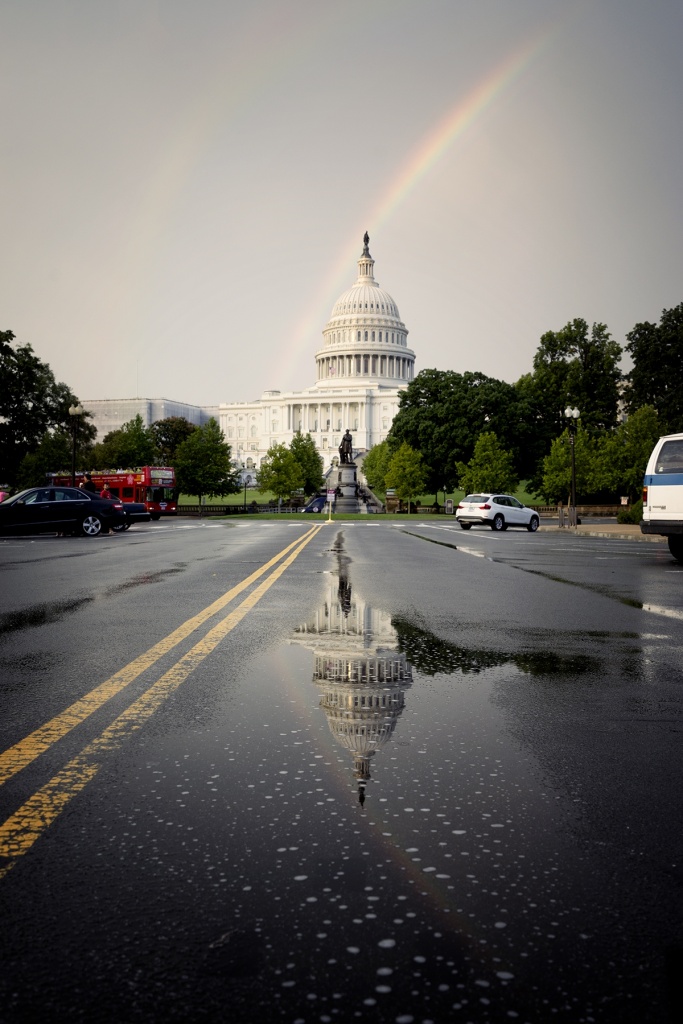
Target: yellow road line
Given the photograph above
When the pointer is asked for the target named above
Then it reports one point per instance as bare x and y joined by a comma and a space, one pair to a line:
28, 749
22, 829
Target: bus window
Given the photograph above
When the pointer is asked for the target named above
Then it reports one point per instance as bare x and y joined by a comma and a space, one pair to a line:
128, 492
114, 491
159, 494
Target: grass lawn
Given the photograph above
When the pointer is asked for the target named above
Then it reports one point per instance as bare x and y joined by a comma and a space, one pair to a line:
263, 497
260, 497
521, 494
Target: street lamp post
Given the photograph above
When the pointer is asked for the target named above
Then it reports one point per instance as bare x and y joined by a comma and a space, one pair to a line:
572, 417
74, 411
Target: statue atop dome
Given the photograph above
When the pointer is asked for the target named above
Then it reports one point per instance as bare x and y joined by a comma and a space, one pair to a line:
366, 243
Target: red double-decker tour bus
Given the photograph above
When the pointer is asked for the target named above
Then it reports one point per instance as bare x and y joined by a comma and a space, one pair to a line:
152, 485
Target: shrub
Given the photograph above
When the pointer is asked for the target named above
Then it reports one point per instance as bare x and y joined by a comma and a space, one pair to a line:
631, 515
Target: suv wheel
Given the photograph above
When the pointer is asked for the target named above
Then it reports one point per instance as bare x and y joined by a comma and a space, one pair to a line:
498, 523
533, 524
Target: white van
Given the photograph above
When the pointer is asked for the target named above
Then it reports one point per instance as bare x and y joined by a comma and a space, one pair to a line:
663, 493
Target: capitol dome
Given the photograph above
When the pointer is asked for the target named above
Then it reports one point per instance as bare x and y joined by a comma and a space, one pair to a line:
365, 336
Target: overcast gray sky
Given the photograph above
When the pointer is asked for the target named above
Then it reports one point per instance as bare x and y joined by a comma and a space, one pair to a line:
185, 183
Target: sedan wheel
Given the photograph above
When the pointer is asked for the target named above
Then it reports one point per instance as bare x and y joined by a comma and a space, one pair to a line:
465, 526
533, 524
498, 523
120, 527
91, 526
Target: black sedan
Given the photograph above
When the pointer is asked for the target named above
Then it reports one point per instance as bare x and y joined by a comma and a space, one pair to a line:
60, 510
316, 504
135, 512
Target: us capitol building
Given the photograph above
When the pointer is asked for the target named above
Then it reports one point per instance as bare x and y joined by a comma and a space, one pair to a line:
361, 367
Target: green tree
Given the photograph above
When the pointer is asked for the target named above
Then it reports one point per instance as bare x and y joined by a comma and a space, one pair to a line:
375, 466
407, 473
168, 435
623, 455
53, 454
32, 403
534, 430
280, 473
203, 464
442, 413
130, 446
657, 377
578, 367
302, 447
574, 366
556, 483
491, 468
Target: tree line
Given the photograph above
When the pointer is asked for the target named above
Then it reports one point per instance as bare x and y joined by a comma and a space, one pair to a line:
452, 429
469, 431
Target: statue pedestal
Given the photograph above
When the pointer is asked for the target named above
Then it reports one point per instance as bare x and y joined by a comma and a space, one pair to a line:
347, 484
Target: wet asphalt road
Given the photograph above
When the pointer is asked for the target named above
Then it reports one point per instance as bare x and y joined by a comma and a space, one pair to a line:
365, 771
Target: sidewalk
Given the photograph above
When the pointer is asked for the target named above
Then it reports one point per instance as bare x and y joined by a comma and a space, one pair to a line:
625, 531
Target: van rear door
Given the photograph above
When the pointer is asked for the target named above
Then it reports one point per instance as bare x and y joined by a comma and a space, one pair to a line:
664, 482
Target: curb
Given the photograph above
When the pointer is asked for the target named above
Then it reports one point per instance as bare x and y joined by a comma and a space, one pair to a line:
648, 538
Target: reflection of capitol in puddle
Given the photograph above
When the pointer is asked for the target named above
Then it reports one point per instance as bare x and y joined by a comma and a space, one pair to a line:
359, 672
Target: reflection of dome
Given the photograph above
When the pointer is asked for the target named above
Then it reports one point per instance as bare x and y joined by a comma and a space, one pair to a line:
361, 676
365, 335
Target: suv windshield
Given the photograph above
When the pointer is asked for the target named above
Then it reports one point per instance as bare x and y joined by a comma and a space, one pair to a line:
476, 498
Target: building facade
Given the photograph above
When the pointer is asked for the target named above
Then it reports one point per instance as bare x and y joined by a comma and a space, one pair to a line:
361, 368
111, 413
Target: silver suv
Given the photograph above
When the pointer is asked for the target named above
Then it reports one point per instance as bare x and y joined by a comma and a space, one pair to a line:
495, 510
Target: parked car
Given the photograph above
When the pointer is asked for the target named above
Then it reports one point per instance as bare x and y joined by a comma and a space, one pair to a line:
495, 510
135, 512
60, 510
663, 493
316, 504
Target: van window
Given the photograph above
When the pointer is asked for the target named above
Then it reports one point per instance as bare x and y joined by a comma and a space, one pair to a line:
670, 458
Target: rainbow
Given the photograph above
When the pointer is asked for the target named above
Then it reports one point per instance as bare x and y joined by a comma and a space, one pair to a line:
426, 155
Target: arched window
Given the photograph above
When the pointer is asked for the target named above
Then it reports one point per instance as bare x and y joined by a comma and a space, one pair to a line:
373, 335
357, 335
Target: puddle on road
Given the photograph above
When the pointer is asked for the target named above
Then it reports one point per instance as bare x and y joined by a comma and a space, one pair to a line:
378, 845
356, 835
47, 612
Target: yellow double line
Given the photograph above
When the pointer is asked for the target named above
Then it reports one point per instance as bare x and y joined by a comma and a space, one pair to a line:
20, 831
